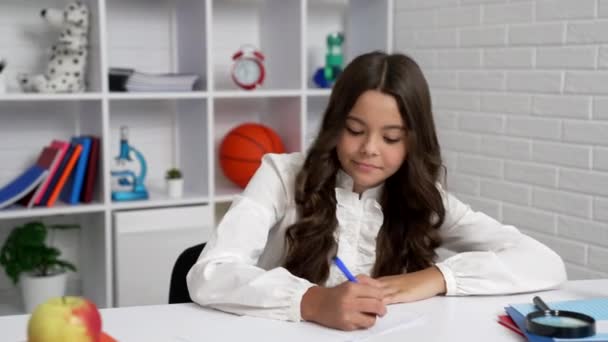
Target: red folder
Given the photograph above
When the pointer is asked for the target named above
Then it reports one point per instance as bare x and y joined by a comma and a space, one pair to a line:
505, 320
48, 159
62, 146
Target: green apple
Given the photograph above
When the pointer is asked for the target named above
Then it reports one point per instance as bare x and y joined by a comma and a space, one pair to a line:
63, 319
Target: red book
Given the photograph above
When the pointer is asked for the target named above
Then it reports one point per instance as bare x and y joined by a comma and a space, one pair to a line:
86, 196
507, 321
48, 159
62, 146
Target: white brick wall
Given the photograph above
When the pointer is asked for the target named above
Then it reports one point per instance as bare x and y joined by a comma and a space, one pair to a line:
520, 96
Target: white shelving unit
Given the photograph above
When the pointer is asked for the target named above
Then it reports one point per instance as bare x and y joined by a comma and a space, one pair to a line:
181, 129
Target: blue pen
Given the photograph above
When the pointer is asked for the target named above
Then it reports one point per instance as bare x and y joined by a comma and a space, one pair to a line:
344, 270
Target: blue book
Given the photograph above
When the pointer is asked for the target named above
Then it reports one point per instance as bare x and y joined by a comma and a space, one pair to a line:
71, 192
520, 320
22, 185
596, 308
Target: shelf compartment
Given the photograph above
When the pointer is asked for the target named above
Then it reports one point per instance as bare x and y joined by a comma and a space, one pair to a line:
272, 26
281, 114
31, 126
27, 39
163, 36
169, 133
352, 17
85, 247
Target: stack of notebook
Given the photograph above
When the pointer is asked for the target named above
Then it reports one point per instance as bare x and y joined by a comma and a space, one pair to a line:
515, 318
124, 79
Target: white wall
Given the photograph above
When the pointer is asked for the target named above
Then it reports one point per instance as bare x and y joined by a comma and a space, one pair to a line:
520, 95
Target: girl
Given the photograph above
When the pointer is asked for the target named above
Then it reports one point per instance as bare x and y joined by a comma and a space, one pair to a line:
367, 191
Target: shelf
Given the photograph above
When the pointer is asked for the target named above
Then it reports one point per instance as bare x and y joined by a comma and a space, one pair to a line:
161, 200
273, 27
58, 209
168, 133
318, 92
157, 96
27, 39
282, 115
181, 129
163, 36
346, 16
227, 94
226, 198
32, 97
10, 303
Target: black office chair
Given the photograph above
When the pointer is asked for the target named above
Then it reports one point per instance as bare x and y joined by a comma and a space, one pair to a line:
178, 289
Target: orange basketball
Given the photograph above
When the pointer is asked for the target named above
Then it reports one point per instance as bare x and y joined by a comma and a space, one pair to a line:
242, 149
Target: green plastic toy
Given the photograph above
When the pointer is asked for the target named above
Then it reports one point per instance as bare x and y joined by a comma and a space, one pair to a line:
325, 77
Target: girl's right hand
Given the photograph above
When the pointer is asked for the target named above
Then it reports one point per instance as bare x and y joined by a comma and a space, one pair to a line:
348, 306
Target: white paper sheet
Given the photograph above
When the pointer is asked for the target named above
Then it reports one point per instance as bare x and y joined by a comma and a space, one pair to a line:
397, 317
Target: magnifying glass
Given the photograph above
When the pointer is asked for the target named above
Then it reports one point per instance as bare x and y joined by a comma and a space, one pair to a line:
557, 323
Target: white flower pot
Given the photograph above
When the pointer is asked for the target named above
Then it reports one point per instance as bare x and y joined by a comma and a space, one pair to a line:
36, 290
175, 188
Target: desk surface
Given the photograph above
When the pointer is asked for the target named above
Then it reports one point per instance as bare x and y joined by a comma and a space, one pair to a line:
443, 319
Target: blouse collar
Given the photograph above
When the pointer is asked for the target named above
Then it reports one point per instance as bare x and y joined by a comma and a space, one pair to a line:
345, 181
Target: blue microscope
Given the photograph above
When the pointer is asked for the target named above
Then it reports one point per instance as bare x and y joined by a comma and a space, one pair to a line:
127, 177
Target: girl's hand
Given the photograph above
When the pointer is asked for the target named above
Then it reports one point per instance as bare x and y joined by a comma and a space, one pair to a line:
414, 286
348, 306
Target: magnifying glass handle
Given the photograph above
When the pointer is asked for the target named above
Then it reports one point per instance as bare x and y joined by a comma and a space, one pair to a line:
540, 304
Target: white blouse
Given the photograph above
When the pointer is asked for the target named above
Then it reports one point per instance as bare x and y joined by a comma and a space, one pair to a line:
240, 270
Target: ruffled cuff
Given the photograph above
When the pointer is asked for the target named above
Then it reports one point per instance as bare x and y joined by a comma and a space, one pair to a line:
294, 312
448, 276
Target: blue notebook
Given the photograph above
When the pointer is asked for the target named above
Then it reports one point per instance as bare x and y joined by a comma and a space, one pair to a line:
21, 185
596, 308
71, 191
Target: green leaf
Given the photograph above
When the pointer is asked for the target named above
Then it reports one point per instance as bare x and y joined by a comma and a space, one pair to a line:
66, 265
173, 173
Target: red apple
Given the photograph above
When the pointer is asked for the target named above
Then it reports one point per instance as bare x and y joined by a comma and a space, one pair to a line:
65, 319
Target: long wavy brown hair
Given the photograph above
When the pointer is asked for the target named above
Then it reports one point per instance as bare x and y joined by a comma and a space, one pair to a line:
411, 202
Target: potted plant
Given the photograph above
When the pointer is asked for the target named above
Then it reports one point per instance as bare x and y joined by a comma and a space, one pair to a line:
175, 183
35, 265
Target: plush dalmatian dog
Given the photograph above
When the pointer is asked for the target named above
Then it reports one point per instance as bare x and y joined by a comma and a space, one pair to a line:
65, 71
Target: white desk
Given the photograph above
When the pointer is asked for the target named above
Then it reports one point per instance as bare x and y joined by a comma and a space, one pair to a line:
445, 319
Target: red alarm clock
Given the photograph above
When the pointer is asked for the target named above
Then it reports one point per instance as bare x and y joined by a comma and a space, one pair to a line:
248, 69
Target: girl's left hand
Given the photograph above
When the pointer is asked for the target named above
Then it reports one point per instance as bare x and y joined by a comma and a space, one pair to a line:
414, 286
